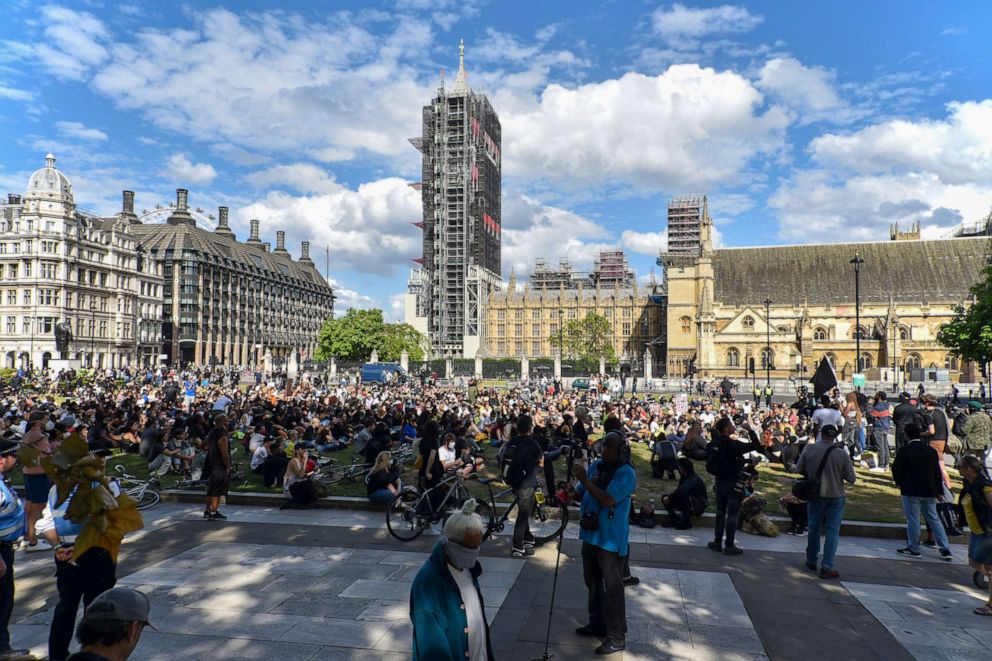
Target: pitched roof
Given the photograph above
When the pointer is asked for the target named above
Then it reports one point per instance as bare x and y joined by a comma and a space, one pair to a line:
931, 271
163, 237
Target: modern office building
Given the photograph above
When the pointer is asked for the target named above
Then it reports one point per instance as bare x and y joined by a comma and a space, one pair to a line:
461, 186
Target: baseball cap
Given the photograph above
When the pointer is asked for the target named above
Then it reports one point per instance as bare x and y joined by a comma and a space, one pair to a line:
975, 405
119, 605
8, 448
828, 430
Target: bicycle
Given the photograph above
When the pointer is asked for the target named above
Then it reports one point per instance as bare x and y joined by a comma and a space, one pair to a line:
333, 474
548, 520
411, 512
144, 492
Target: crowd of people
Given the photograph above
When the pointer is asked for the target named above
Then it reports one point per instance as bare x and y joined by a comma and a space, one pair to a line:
196, 422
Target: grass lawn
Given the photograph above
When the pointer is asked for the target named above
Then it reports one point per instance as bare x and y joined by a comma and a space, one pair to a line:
873, 498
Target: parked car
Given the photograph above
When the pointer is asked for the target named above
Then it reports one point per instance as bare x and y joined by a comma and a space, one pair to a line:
580, 384
376, 372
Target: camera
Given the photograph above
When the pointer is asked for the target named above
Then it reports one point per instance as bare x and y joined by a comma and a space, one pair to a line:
589, 521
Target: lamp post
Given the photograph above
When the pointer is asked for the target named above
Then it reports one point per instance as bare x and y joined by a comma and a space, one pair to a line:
768, 342
857, 261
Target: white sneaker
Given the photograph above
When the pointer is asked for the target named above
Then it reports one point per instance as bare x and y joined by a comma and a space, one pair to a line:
41, 545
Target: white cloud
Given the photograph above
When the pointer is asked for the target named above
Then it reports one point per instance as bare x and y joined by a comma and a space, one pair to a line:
184, 171
397, 308
15, 94
73, 42
301, 177
686, 128
807, 90
937, 172
680, 25
346, 298
79, 131
644, 243
369, 230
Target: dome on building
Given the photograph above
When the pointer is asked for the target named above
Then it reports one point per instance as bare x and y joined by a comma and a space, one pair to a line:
48, 184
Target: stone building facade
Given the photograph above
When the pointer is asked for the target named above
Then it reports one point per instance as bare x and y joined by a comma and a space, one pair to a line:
718, 321
521, 320
60, 265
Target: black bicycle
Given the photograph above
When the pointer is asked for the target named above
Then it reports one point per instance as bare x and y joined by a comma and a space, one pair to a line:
548, 520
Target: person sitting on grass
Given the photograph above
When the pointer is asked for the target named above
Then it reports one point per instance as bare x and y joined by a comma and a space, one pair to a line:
451, 460
296, 484
688, 499
382, 483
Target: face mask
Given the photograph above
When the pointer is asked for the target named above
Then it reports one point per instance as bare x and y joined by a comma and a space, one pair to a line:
459, 556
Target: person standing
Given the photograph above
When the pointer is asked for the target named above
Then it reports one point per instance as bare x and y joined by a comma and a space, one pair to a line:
904, 414
977, 430
725, 461
604, 519
976, 501
881, 424
219, 465
11, 529
827, 511
916, 471
112, 624
36, 482
768, 396
522, 456
447, 609
757, 396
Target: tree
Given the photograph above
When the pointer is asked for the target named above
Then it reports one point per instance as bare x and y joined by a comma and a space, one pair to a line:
587, 339
969, 334
360, 332
351, 337
399, 337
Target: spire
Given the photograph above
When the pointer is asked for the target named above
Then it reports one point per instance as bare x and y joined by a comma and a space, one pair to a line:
512, 286
49, 160
461, 82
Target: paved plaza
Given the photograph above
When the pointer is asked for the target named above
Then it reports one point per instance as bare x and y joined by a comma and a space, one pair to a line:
329, 584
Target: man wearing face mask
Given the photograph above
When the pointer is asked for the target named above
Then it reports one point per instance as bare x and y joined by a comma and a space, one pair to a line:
446, 605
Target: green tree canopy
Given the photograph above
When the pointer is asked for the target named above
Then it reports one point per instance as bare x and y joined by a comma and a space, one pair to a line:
587, 339
969, 334
360, 332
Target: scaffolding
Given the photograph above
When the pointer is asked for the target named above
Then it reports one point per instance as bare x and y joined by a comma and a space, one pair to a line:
611, 270
686, 215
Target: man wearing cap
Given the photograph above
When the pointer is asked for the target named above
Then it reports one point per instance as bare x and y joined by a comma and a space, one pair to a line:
11, 528
93, 573
828, 509
112, 624
977, 430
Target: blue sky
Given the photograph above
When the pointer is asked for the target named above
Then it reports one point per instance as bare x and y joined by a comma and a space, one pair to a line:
802, 121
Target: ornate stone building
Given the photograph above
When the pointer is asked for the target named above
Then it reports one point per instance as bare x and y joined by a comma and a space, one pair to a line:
228, 302
717, 316
522, 320
58, 264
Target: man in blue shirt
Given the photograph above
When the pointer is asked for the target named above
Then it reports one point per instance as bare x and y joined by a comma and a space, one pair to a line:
11, 528
606, 488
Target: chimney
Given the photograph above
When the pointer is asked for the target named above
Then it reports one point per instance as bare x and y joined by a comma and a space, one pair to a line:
127, 208
223, 227
253, 239
181, 214
266, 246
280, 244
305, 253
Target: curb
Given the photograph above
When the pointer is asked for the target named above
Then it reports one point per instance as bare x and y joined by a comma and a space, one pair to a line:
848, 528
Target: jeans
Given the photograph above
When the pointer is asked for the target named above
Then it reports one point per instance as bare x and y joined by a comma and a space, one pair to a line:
829, 512
881, 438
728, 508
92, 575
525, 507
381, 497
6, 594
911, 506
602, 572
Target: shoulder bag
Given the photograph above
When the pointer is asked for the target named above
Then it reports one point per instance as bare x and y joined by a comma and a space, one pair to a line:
808, 489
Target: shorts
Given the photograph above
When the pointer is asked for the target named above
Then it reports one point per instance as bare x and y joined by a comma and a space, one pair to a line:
218, 483
980, 548
36, 488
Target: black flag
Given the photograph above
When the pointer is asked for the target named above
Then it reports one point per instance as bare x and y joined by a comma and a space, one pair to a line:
824, 378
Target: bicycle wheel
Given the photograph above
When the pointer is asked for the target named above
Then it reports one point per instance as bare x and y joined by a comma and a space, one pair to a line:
402, 519
337, 474
548, 521
148, 499
483, 509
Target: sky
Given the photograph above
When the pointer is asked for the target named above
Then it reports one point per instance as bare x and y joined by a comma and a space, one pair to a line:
801, 122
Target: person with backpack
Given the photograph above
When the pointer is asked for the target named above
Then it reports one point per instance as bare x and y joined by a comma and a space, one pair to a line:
825, 507
725, 461
664, 458
689, 498
520, 458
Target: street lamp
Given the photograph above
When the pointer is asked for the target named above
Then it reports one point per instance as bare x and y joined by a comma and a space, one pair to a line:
857, 261
768, 342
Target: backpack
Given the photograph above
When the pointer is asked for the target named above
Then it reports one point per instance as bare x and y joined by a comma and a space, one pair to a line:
722, 461
665, 450
513, 472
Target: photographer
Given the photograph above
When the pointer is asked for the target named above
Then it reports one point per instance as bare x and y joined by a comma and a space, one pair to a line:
605, 487
725, 461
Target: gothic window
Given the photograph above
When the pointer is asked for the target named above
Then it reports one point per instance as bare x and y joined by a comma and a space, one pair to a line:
864, 333
686, 324
832, 359
820, 333
733, 357
866, 362
903, 333
767, 358
748, 323
951, 363
913, 361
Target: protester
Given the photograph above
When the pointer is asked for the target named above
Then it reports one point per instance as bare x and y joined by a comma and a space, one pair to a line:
605, 488
36, 482
689, 498
447, 608
521, 458
881, 424
112, 624
917, 473
219, 464
977, 430
976, 501
382, 483
725, 462
826, 511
